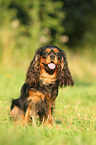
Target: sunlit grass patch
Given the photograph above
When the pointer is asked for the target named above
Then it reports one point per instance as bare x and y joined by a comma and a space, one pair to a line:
74, 114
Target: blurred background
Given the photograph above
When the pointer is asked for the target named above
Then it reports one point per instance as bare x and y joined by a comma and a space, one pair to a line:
68, 24
26, 25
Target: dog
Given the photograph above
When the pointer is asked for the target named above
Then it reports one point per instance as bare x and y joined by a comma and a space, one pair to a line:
47, 71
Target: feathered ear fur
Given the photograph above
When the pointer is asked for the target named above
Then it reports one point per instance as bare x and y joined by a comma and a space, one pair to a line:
64, 76
33, 73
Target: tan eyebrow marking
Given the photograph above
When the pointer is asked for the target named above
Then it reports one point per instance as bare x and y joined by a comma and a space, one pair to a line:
56, 50
48, 50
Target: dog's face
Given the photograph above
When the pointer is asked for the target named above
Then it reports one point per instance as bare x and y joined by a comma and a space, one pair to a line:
50, 60
49, 65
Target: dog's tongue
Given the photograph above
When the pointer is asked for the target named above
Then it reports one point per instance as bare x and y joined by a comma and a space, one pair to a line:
51, 65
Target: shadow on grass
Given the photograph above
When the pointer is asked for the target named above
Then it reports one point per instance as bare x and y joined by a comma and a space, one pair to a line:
58, 122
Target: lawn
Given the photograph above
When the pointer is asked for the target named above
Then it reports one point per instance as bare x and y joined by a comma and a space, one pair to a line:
74, 114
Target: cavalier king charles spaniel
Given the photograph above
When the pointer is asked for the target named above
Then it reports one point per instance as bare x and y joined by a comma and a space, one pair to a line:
47, 71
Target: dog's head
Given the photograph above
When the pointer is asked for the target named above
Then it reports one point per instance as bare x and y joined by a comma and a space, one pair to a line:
49, 65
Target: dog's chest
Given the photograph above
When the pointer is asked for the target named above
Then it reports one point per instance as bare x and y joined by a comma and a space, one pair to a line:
47, 78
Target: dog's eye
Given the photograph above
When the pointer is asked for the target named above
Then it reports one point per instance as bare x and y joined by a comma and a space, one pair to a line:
57, 54
45, 53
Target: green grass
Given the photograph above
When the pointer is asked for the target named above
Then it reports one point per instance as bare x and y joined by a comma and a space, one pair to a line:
74, 114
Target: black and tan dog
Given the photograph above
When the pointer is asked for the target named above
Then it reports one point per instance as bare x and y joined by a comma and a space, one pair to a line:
47, 71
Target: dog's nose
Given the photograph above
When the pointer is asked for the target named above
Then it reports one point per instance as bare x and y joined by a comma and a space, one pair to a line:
52, 56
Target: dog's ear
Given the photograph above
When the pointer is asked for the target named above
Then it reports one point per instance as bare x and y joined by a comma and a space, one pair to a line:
33, 73
64, 76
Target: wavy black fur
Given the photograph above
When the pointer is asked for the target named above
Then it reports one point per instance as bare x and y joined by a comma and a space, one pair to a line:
32, 80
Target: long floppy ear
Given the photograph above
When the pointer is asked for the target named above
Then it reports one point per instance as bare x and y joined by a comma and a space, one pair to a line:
64, 76
33, 73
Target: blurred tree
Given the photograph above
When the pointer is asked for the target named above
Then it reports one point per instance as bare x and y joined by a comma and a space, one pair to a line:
51, 16
27, 25
79, 21
31, 23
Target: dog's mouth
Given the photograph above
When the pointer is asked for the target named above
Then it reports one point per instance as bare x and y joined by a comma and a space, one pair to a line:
50, 67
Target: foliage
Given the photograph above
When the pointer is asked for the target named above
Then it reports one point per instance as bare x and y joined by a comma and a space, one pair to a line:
80, 22
25, 27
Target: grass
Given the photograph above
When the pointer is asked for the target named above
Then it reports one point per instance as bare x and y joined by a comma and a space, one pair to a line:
74, 114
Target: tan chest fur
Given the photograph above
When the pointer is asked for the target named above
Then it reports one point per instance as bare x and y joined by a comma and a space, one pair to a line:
47, 78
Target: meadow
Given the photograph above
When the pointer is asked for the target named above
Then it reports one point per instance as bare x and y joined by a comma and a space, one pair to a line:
74, 113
